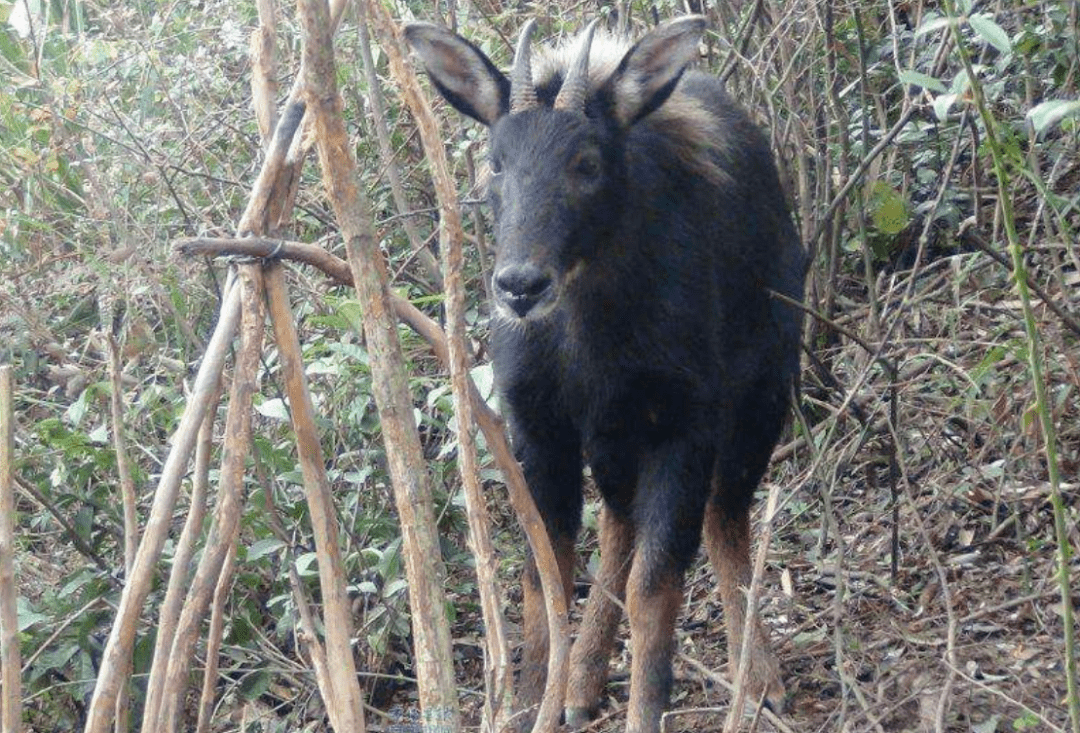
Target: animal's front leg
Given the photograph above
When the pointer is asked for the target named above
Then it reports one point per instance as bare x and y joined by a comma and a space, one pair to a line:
727, 539
592, 650
550, 455
668, 514
534, 654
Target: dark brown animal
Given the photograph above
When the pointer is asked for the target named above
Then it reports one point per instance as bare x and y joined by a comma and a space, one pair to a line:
640, 228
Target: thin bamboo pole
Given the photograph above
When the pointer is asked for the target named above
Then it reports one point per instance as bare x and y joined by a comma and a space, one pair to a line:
344, 700
408, 471
10, 658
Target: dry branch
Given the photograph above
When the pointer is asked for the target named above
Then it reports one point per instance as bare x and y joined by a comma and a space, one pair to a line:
226, 522
488, 420
122, 636
127, 501
169, 613
264, 71
123, 462
213, 640
408, 471
498, 705
386, 152
344, 701
10, 665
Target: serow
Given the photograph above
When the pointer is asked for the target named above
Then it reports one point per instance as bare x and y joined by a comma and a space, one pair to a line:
641, 234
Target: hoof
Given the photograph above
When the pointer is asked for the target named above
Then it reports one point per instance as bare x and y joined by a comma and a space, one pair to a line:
577, 717
775, 697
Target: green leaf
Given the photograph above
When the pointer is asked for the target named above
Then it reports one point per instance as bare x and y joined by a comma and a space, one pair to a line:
923, 80
255, 684
484, 378
99, 435
394, 587
932, 24
28, 616
262, 548
991, 32
942, 104
273, 408
1049, 113
78, 408
306, 565
887, 208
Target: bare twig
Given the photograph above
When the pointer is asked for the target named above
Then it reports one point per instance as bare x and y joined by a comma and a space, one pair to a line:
389, 164
969, 234
213, 640
122, 636
264, 71
344, 699
127, 500
71, 533
10, 664
169, 613
226, 522
499, 682
409, 475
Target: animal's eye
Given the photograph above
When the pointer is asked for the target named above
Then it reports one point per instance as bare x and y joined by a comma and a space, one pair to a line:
496, 166
587, 166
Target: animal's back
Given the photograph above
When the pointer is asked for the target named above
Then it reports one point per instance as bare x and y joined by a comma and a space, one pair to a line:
704, 236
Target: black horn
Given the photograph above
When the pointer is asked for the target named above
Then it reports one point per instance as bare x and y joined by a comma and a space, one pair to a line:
522, 91
572, 94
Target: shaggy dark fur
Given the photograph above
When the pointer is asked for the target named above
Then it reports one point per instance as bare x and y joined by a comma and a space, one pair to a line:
633, 331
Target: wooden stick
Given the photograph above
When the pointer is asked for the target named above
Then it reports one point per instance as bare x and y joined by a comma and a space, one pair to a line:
123, 462
488, 420
269, 202
127, 501
122, 636
498, 702
408, 470
264, 71
226, 522
10, 662
169, 613
344, 701
213, 640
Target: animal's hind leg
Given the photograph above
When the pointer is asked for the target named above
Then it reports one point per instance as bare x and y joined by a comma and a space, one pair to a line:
592, 650
727, 541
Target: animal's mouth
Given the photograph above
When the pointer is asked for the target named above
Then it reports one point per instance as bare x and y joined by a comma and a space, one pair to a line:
525, 290
525, 309
524, 294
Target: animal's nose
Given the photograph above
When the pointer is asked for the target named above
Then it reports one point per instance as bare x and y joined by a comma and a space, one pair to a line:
522, 286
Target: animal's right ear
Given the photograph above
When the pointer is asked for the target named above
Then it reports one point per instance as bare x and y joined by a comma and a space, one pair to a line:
461, 72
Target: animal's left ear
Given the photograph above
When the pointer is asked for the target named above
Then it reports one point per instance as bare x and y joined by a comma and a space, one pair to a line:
648, 73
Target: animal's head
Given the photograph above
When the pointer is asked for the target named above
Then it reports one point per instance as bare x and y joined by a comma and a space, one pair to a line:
557, 159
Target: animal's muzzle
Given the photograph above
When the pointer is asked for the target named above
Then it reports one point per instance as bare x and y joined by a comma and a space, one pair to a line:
522, 287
